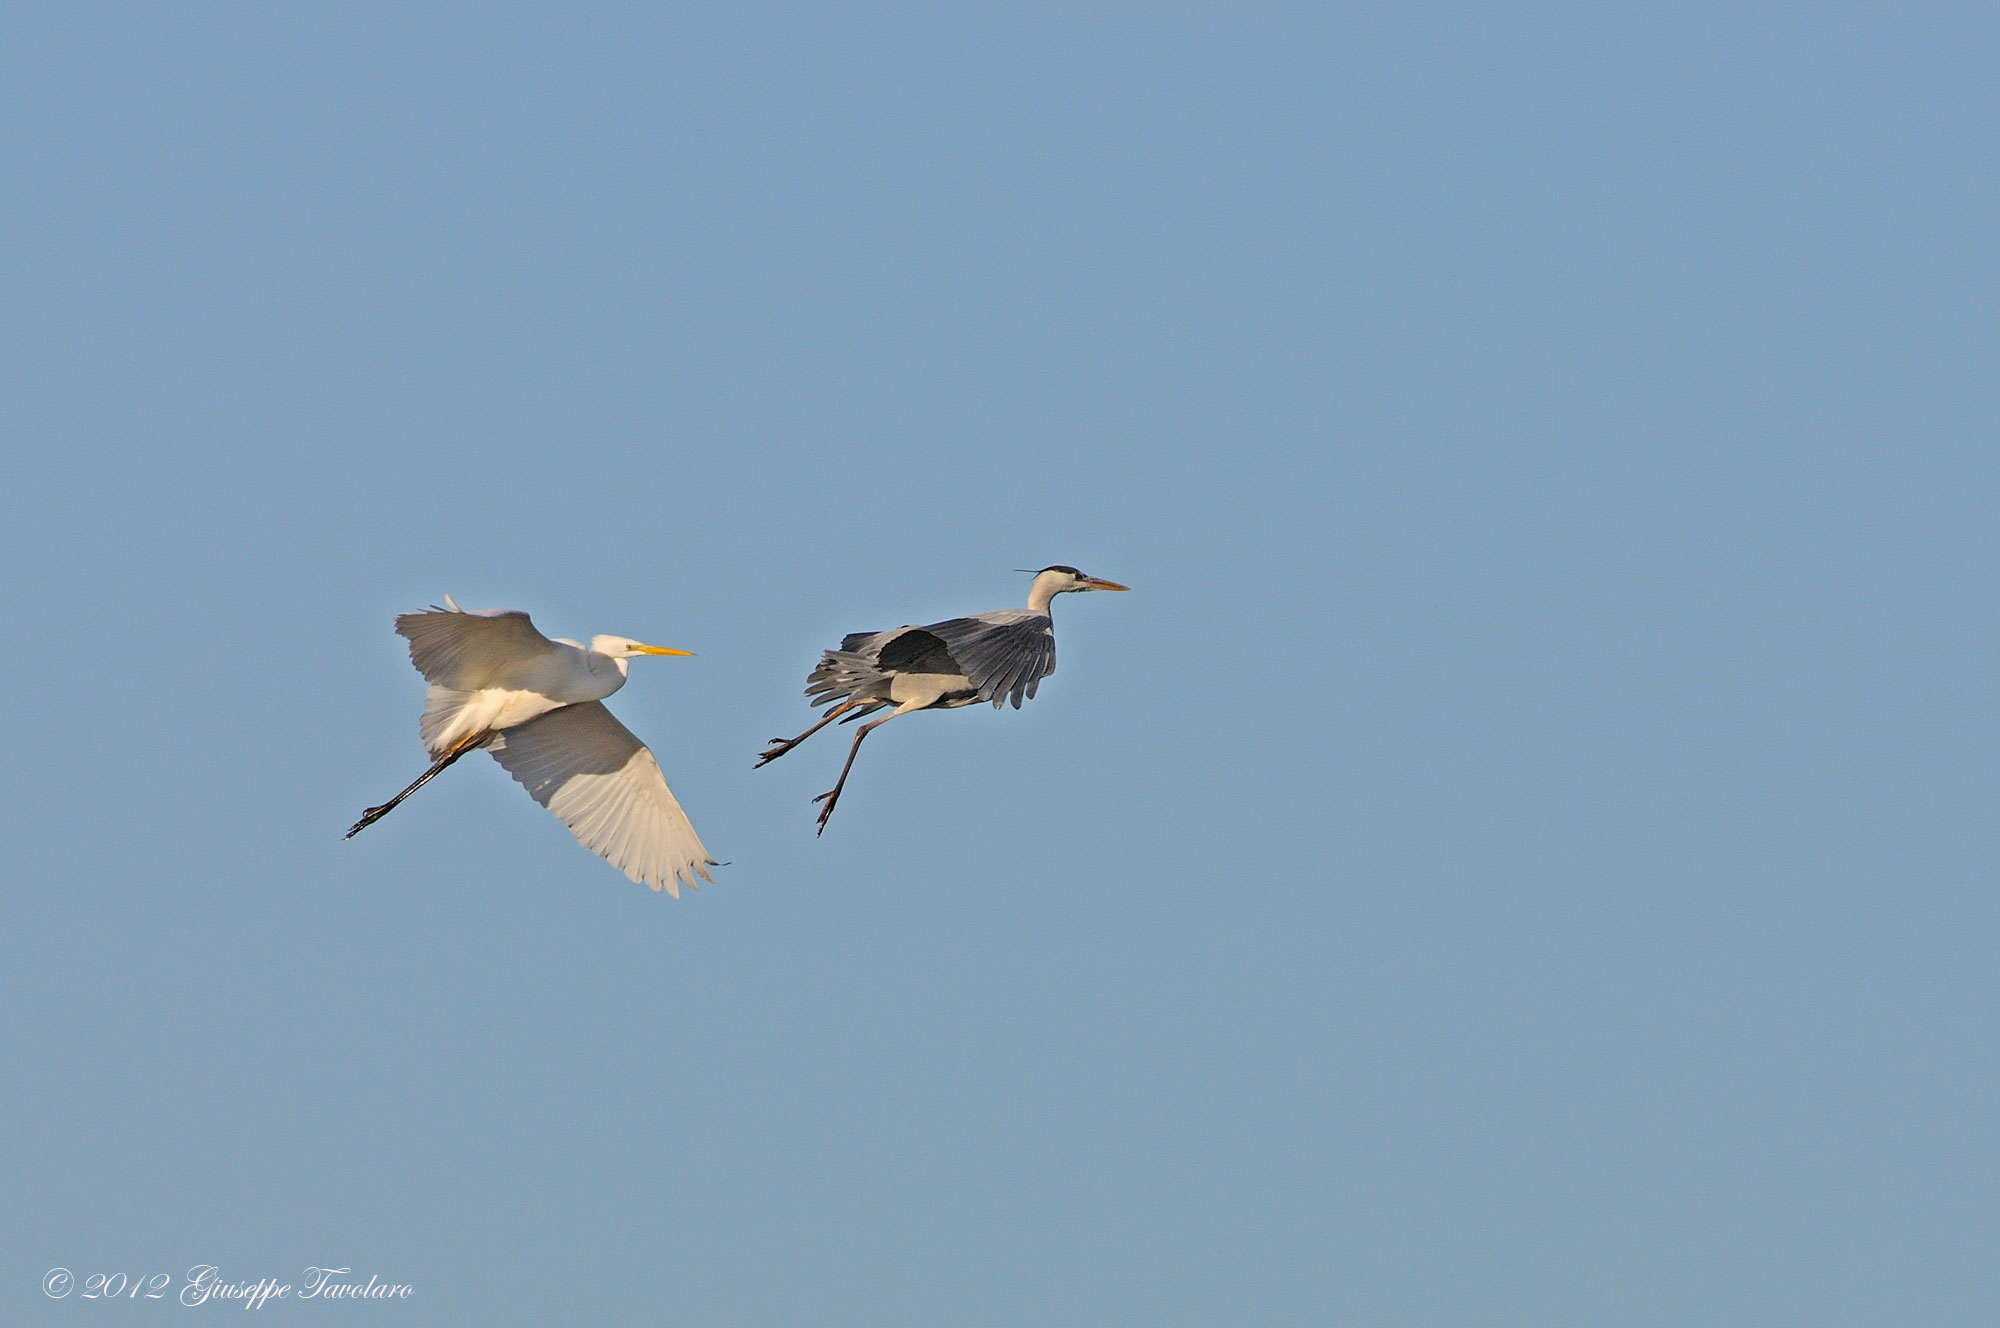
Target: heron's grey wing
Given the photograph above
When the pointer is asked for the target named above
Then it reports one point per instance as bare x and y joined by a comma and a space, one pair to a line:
468, 651
603, 783
916, 650
1005, 655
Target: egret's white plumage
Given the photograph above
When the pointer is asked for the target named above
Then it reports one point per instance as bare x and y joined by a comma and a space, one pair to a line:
497, 683
602, 782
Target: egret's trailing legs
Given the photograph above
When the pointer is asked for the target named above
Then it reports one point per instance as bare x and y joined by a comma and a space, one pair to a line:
458, 749
832, 795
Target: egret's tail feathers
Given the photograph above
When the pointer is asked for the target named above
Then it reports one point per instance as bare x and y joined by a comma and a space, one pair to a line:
439, 727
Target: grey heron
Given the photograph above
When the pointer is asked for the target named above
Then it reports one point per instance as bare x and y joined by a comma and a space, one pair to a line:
998, 657
537, 705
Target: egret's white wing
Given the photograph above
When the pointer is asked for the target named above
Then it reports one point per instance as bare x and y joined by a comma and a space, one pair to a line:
602, 782
468, 651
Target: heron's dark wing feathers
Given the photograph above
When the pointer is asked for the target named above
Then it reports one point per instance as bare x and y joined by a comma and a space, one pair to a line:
915, 650
1005, 655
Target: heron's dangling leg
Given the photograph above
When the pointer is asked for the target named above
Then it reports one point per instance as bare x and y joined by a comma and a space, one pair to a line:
458, 749
779, 746
832, 795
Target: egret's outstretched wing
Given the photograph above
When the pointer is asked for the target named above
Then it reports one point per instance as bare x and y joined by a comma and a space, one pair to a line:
467, 651
1006, 654
602, 782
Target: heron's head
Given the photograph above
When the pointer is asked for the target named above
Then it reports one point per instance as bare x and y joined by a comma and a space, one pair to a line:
624, 647
1060, 580
1065, 579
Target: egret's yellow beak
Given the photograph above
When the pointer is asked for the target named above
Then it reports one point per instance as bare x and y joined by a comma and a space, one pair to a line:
1099, 583
659, 650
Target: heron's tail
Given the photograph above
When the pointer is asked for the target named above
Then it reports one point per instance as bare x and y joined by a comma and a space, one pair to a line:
843, 676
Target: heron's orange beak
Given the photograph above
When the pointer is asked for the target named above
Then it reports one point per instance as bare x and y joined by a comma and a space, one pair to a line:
1099, 583
660, 650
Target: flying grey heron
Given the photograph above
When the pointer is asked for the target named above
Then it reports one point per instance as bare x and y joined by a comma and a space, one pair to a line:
537, 705
998, 657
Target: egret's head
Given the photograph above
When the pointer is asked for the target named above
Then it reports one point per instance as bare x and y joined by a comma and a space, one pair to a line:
624, 647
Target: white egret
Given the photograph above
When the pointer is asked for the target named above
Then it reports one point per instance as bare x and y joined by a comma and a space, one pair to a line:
536, 704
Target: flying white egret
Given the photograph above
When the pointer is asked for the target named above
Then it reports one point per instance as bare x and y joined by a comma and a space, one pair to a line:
536, 704
1000, 656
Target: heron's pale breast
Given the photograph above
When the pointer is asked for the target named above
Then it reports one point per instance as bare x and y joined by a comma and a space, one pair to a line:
925, 689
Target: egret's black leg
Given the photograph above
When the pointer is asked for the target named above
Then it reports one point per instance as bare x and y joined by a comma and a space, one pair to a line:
779, 746
832, 795
374, 814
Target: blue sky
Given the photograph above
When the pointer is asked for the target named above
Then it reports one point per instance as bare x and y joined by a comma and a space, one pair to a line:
1521, 855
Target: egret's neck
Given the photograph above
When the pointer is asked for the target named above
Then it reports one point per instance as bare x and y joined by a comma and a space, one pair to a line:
607, 670
1047, 586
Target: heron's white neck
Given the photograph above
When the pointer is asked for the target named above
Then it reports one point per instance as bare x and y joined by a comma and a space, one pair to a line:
1047, 586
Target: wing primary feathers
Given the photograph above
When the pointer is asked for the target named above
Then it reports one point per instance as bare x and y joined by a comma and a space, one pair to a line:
606, 786
1001, 653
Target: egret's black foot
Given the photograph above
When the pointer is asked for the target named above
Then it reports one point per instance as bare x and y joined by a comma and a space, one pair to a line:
368, 818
